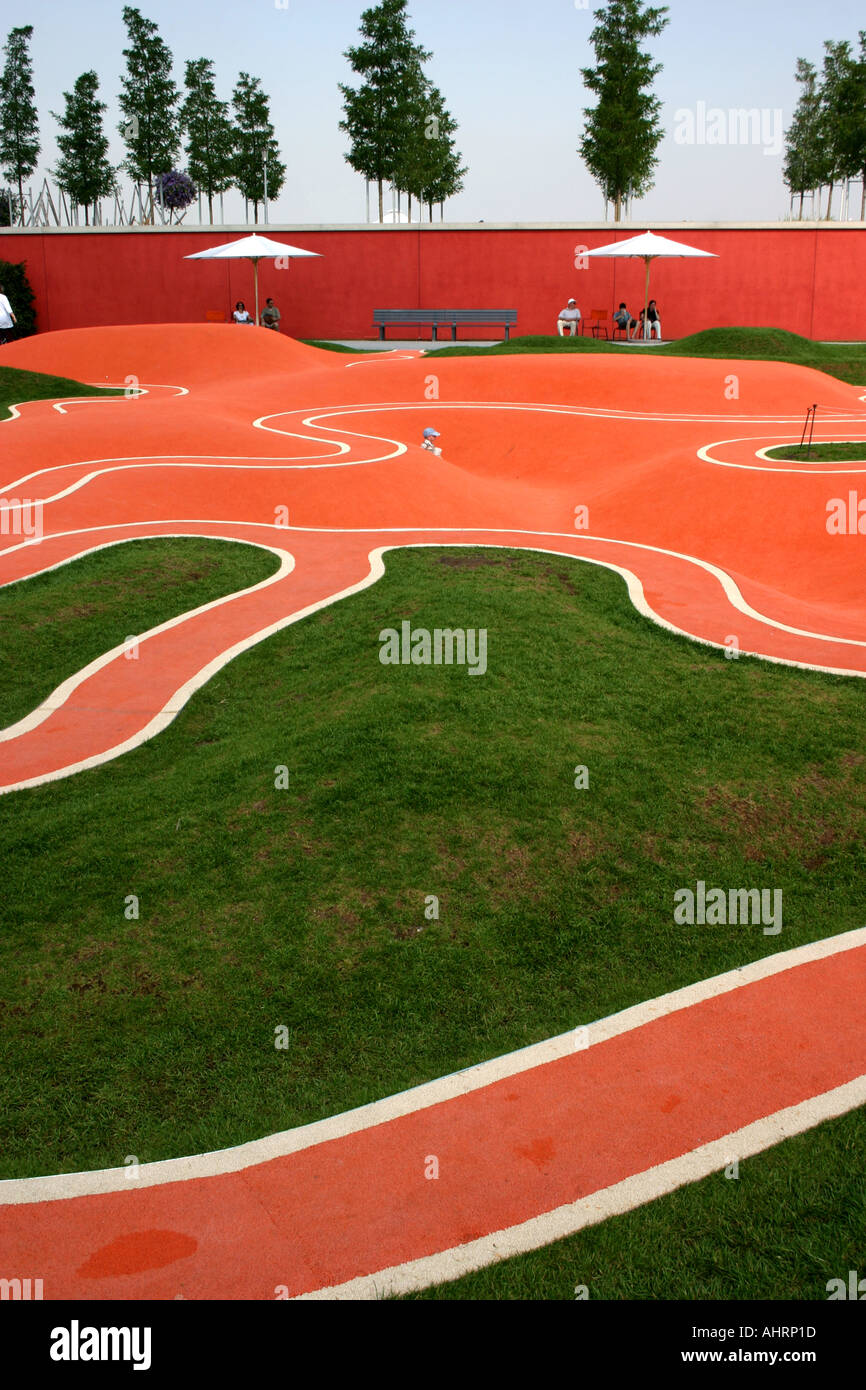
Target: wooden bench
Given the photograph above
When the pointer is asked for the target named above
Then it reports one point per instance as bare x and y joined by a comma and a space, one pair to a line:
383, 317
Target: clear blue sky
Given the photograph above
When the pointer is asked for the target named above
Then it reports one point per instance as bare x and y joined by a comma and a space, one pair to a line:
510, 73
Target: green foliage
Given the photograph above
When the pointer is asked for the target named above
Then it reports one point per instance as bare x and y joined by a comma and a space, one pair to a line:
622, 131
210, 140
19, 125
83, 170
387, 117
148, 100
8, 207
255, 143
19, 292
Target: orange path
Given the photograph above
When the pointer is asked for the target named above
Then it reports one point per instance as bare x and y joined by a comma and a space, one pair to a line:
516, 1148
526, 441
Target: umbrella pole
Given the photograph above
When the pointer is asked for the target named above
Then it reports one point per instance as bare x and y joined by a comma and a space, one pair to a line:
646, 301
256, 269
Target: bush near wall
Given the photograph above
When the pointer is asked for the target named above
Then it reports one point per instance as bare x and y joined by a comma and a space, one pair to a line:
17, 288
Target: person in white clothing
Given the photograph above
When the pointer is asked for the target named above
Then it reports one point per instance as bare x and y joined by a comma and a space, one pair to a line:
240, 314
8, 320
569, 318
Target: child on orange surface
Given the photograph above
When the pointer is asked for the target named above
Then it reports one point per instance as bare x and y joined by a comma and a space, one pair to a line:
427, 442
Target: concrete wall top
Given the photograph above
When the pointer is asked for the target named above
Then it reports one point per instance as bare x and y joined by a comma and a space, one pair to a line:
269, 228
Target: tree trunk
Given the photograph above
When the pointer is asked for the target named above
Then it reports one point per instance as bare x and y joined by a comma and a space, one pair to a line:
802, 196
829, 201
210, 207
409, 206
381, 203
617, 206
20, 201
87, 214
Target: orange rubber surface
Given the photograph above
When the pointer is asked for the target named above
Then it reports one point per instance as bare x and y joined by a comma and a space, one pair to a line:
234, 427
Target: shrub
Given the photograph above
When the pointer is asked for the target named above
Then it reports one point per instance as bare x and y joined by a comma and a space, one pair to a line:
19, 292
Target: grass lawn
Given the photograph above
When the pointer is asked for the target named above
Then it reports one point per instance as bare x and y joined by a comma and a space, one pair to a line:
821, 453
844, 360
61, 623
304, 907
17, 386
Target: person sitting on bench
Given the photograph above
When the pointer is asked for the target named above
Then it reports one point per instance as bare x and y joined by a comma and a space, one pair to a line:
653, 321
569, 318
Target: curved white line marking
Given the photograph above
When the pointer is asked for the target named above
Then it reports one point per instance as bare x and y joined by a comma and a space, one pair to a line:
803, 470
59, 402
58, 1187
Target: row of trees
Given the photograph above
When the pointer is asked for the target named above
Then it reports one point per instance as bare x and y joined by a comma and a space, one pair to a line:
158, 118
400, 130
826, 142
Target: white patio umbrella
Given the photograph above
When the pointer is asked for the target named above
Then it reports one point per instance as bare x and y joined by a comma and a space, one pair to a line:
647, 247
253, 248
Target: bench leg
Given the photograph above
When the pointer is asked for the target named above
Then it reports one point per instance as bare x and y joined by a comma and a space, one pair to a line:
454, 332
381, 332
433, 334
507, 331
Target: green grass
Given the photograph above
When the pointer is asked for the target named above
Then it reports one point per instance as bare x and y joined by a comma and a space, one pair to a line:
334, 347
54, 624
844, 360
820, 453
793, 1219
261, 907
17, 386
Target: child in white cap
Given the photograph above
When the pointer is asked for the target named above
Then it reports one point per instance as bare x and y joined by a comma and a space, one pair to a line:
427, 442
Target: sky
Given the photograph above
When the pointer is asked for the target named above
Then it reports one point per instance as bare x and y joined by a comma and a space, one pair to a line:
510, 74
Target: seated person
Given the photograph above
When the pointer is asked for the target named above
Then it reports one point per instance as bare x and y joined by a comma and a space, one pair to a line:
569, 318
240, 314
623, 319
271, 316
653, 320
640, 326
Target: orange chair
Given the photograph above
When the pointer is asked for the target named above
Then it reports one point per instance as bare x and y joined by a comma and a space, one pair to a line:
598, 322
215, 316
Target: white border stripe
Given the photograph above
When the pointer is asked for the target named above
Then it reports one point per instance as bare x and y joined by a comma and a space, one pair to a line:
599, 1206
61, 1186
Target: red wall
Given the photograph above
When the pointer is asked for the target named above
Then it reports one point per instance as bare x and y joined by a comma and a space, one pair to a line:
806, 278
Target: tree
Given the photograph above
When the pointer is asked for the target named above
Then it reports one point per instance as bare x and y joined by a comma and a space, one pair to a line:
210, 142
19, 125
83, 170
444, 175
19, 292
389, 61
427, 165
148, 100
852, 118
623, 131
8, 207
255, 145
836, 78
804, 156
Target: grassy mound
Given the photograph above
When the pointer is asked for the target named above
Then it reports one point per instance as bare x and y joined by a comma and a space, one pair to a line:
744, 342
303, 906
17, 386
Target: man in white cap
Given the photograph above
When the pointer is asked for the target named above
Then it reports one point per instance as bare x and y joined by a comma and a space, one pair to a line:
427, 443
569, 318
